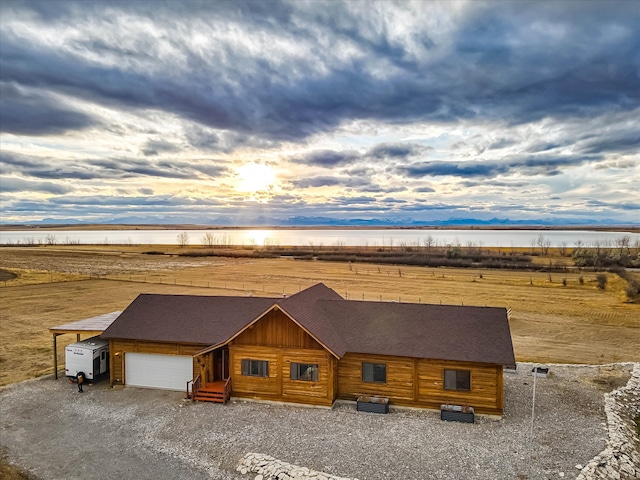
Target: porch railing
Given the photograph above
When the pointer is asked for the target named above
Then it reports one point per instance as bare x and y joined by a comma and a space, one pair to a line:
196, 383
227, 389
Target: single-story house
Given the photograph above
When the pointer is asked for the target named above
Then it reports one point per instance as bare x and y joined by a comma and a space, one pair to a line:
314, 347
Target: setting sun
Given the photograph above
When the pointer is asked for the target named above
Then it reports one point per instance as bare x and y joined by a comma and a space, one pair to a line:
255, 177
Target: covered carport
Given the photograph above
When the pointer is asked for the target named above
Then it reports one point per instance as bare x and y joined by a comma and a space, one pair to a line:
89, 327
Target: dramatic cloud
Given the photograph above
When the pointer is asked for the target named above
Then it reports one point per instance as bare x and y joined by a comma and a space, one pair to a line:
12, 184
529, 165
328, 181
24, 112
328, 158
396, 150
108, 168
397, 103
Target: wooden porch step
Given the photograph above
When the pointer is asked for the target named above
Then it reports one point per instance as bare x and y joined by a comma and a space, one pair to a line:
210, 397
212, 392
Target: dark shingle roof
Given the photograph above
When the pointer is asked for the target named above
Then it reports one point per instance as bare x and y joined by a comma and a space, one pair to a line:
445, 332
186, 318
301, 307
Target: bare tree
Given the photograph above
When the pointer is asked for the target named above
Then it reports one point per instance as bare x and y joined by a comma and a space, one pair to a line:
51, 239
623, 243
208, 240
543, 244
429, 243
183, 239
598, 245
563, 249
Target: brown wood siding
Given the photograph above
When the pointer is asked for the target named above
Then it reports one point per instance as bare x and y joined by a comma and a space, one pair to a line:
254, 387
279, 386
123, 346
275, 329
399, 384
420, 383
500, 388
115, 361
301, 390
333, 378
484, 395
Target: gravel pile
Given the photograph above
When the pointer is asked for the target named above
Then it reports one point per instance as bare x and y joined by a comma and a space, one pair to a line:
54, 432
269, 468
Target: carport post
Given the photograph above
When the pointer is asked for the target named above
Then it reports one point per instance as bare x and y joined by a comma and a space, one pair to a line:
55, 355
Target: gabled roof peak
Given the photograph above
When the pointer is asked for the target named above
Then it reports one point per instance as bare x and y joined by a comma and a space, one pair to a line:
319, 291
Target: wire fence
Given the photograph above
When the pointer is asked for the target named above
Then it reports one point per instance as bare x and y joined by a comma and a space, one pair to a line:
274, 289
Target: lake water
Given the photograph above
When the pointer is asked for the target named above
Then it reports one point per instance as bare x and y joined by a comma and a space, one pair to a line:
320, 237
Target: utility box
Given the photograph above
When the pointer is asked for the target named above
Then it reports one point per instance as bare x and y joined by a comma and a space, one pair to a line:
89, 357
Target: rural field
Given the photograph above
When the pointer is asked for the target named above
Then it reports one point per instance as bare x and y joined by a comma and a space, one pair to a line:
554, 318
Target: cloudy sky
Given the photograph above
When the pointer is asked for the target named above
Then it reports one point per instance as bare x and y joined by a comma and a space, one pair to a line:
400, 110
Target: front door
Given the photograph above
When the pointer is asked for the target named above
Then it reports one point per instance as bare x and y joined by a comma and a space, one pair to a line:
221, 364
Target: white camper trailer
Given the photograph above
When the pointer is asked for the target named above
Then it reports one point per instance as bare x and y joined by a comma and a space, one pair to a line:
89, 357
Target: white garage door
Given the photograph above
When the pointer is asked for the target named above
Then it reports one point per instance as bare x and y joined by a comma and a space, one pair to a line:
169, 372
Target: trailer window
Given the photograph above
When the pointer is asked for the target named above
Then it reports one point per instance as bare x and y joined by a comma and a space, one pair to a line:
102, 356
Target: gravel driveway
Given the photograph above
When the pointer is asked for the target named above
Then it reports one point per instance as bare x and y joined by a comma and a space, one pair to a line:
50, 430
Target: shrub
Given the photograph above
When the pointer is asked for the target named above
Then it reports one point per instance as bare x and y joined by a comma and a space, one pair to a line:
601, 280
632, 291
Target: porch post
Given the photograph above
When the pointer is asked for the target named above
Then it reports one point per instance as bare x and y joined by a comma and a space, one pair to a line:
203, 371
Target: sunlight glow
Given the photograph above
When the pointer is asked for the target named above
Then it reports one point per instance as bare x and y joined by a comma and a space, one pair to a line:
255, 177
257, 237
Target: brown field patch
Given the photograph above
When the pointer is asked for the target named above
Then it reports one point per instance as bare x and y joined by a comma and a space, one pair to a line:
550, 322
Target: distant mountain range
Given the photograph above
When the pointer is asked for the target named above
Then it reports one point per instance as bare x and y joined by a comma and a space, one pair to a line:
299, 221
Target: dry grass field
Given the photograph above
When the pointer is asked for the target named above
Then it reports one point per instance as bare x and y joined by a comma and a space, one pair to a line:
550, 321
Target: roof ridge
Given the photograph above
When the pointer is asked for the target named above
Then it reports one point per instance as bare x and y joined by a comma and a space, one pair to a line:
303, 308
